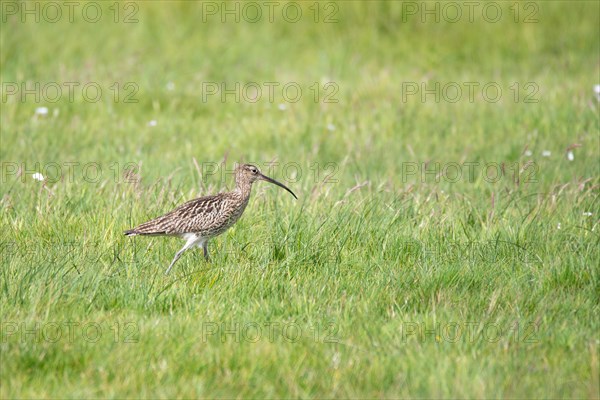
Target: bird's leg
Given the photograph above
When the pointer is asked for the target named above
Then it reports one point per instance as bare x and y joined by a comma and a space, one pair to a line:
187, 245
174, 260
205, 248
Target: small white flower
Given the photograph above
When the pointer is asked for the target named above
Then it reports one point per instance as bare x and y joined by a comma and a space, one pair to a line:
170, 86
587, 214
528, 153
38, 177
282, 107
335, 360
152, 123
41, 111
597, 89
546, 153
331, 127
558, 226
570, 155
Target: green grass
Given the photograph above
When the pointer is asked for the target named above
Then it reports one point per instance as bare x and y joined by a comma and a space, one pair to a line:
377, 282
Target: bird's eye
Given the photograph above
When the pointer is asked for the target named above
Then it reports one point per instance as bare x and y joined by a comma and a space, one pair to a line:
253, 170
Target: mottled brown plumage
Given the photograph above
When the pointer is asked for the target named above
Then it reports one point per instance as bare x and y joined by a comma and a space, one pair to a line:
199, 220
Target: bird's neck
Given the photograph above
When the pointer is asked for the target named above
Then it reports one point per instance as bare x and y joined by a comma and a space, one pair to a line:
243, 188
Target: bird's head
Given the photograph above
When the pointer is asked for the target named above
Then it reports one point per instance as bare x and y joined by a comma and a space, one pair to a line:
248, 174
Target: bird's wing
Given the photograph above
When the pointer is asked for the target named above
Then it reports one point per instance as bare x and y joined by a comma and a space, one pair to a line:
196, 216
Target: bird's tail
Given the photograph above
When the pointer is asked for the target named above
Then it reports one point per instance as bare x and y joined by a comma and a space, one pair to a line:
136, 232
155, 227
150, 228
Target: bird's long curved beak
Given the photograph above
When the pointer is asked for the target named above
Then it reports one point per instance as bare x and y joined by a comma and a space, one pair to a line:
266, 178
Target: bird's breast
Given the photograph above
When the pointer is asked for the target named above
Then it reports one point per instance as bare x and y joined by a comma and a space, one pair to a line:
225, 215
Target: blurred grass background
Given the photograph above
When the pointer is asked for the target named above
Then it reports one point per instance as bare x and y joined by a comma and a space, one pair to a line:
361, 258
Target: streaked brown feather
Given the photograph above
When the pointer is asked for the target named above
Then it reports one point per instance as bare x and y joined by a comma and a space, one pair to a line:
206, 216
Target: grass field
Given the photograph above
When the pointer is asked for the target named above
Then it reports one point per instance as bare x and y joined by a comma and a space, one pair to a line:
444, 244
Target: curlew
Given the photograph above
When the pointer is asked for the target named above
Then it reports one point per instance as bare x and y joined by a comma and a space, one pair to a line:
199, 220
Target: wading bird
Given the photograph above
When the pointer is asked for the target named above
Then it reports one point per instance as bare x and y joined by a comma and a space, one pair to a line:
199, 220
